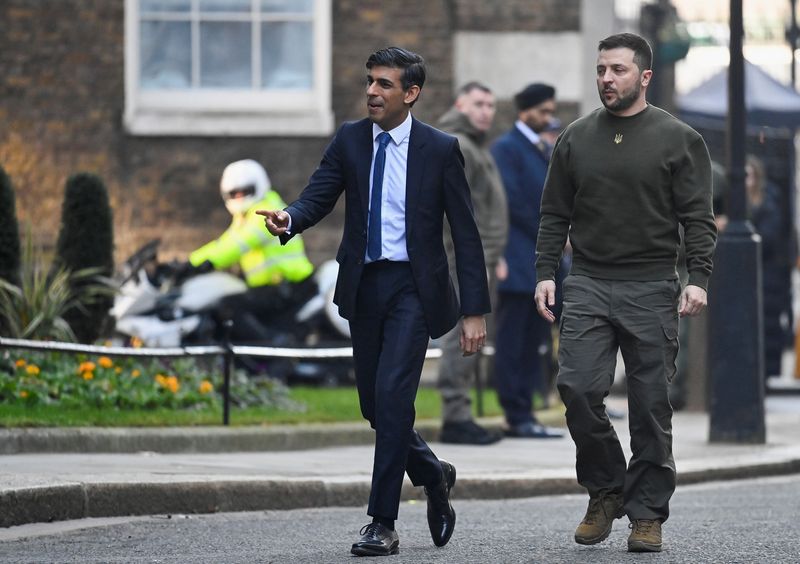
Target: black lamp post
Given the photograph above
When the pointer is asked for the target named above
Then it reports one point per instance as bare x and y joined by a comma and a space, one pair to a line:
737, 365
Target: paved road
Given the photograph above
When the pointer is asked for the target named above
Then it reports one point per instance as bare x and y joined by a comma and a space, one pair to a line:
742, 521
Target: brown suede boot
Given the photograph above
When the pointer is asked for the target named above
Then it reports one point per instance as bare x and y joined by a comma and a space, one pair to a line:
645, 535
596, 525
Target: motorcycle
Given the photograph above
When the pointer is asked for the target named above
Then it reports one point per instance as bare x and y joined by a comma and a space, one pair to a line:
162, 305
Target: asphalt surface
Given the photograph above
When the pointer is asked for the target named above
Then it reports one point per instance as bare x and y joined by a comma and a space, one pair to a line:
42, 487
720, 522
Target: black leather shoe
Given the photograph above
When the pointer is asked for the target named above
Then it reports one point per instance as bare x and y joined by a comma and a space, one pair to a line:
441, 515
468, 433
376, 540
533, 430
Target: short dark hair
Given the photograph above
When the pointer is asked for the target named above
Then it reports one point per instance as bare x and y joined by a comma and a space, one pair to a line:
412, 65
473, 85
642, 53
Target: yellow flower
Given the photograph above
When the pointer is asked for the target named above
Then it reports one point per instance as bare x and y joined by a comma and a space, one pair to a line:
118, 370
86, 370
173, 384
23, 394
32, 369
206, 387
169, 382
135, 373
136, 342
105, 362
20, 363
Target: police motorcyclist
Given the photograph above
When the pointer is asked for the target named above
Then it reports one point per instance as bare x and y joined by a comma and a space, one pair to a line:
278, 277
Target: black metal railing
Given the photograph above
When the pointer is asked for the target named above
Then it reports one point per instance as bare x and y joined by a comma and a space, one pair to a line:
227, 351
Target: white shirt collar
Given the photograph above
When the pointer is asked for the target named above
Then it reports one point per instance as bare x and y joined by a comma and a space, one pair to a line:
532, 136
398, 134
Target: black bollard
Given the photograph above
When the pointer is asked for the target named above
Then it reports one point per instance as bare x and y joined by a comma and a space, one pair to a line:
736, 338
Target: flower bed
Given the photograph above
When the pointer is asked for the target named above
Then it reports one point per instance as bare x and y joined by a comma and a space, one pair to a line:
79, 380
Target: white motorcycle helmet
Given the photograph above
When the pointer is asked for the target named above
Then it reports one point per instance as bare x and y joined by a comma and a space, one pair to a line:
243, 184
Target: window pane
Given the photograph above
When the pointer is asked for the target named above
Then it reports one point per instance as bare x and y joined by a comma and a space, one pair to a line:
165, 55
294, 6
225, 57
165, 5
225, 5
286, 55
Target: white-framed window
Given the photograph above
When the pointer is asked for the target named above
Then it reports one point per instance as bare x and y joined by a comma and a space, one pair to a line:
228, 67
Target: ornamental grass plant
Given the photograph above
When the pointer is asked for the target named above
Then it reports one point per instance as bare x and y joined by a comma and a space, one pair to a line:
36, 308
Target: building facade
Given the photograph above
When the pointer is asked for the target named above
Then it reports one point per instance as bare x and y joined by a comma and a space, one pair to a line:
98, 86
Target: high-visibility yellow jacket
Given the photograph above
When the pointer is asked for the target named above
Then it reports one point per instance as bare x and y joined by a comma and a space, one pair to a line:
263, 260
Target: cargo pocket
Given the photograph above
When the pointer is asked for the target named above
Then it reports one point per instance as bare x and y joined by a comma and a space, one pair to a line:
671, 346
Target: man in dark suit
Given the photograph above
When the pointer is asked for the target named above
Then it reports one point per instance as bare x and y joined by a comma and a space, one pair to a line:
522, 157
400, 177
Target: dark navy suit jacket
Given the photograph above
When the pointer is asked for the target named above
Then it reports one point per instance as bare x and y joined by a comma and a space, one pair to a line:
435, 187
523, 168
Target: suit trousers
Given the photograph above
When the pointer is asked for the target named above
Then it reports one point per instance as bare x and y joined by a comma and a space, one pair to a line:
640, 319
518, 362
390, 337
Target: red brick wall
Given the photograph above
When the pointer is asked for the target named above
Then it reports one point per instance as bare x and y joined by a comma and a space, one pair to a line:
62, 98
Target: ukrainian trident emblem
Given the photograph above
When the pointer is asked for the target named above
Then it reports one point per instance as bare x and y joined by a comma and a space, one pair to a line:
618, 138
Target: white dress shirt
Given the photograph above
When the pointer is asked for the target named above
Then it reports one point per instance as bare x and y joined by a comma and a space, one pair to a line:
532, 136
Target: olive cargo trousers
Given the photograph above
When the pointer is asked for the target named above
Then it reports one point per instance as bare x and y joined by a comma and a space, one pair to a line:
640, 319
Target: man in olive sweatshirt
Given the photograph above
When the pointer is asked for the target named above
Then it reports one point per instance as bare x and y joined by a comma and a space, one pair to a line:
621, 180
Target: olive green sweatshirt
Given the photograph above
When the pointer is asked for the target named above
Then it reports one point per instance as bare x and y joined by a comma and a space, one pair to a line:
619, 187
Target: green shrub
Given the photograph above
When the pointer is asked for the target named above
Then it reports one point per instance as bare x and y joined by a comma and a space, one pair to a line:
9, 232
86, 240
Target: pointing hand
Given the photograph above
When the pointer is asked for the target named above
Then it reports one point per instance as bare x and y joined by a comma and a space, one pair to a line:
276, 222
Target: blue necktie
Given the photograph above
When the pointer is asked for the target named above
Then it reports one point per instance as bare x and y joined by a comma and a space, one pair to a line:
374, 235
